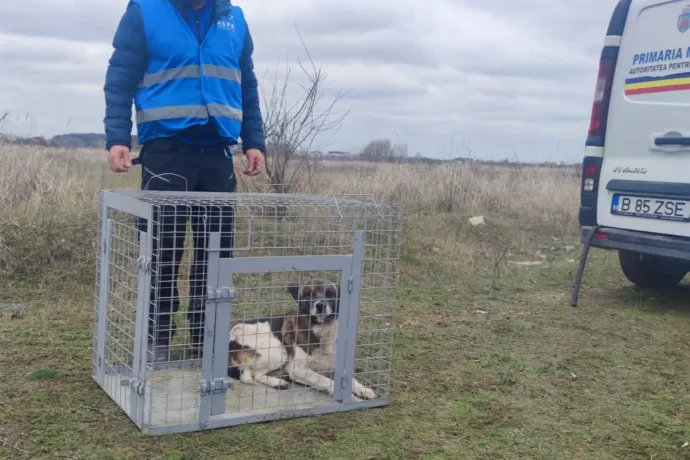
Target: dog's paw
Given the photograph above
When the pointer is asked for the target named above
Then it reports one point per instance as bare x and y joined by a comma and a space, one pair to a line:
246, 377
364, 393
277, 383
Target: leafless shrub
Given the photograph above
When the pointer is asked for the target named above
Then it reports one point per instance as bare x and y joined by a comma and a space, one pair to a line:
500, 249
3, 117
293, 128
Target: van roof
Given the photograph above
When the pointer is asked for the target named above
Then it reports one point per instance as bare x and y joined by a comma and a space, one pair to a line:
618, 18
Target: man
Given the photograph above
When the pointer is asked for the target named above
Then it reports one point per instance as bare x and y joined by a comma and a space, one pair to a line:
187, 66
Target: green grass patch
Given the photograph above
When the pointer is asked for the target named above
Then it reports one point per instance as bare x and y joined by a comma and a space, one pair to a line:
44, 374
508, 373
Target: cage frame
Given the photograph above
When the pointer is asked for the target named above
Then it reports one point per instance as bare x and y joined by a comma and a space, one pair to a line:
218, 316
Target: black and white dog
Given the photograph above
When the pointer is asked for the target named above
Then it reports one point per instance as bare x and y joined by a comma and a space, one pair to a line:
301, 345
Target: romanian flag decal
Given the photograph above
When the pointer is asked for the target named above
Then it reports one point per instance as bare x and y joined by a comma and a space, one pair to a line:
666, 83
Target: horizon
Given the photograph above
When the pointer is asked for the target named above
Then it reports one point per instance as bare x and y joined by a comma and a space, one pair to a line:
327, 153
512, 157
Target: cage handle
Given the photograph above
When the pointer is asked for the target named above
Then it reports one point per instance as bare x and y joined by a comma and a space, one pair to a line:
337, 208
369, 195
249, 235
249, 239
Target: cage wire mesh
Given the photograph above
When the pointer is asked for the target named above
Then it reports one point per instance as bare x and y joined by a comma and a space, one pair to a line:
162, 338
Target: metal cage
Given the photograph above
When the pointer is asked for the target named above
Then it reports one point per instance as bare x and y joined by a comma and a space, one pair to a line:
178, 270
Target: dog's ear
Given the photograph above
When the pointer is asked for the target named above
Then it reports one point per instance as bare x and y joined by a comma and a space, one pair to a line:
305, 292
294, 290
333, 291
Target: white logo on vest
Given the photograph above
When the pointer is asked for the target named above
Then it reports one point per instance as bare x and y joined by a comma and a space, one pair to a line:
226, 23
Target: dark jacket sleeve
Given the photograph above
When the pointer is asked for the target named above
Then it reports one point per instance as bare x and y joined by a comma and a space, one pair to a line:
252, 133
125, 70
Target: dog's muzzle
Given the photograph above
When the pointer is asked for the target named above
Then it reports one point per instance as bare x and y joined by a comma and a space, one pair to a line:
321, 312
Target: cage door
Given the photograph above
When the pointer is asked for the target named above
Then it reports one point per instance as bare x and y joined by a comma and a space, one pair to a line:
248, 282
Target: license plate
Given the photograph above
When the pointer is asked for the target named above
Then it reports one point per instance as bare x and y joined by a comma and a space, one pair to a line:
650, 208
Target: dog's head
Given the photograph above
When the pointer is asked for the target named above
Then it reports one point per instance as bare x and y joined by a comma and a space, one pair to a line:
317, 299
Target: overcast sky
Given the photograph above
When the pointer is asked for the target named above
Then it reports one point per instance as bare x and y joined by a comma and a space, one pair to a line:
494, 79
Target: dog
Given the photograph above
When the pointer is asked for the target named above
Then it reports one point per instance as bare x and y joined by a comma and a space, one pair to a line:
300, 345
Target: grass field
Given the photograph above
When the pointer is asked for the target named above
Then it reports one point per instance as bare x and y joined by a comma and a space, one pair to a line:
491, 362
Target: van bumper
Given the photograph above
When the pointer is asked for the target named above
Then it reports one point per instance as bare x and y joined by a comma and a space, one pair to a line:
675, 247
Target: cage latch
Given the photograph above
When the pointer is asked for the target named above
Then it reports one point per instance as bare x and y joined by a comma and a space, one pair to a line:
144, 264
224, 293
134, 385
215, 386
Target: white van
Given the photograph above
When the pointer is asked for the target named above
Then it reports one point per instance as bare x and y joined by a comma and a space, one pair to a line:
635, 195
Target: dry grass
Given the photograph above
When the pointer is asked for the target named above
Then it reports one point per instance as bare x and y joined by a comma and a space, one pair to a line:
483, 370
48, 202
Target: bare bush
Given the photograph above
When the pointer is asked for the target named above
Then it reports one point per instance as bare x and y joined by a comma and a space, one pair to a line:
3, 118
293, 128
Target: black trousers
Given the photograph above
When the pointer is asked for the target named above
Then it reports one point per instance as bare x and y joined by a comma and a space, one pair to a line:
170, 165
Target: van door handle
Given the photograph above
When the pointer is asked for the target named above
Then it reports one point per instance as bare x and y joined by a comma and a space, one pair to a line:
684, 141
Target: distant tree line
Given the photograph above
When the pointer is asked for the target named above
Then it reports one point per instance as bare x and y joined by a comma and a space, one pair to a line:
378, 150
383, 150
68, 141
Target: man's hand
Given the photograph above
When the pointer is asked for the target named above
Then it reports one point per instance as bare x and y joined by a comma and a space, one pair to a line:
255, 162
118, 157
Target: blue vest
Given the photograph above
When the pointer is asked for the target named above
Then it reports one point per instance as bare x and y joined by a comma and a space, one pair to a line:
186, 83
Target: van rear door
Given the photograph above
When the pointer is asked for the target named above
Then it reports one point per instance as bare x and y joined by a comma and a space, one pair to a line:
645, 174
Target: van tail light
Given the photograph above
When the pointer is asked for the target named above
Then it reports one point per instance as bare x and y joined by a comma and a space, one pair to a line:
591, 169
602, 97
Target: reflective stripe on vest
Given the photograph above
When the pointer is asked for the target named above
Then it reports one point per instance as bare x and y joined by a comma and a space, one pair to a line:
191, 71
224, 73
188, 111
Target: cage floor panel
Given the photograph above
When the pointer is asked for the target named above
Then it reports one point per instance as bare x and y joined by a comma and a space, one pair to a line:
176, 397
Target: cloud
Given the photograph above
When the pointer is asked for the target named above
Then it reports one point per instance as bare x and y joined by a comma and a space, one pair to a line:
447, 77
